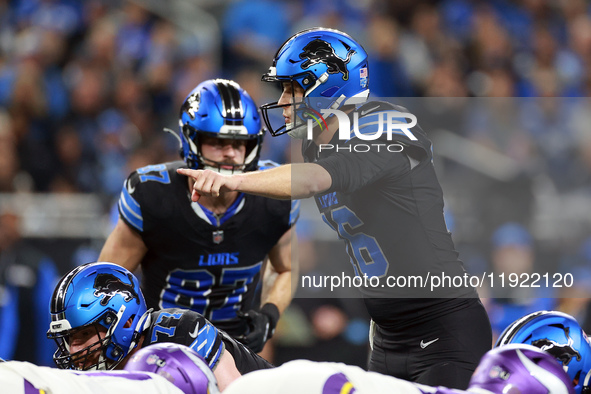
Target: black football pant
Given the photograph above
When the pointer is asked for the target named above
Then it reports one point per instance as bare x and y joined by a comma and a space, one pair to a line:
440, 352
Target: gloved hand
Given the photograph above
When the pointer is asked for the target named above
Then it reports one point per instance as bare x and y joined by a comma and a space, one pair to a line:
261, 326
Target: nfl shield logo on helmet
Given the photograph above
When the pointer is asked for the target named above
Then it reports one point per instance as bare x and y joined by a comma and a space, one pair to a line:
218, 237
152, 359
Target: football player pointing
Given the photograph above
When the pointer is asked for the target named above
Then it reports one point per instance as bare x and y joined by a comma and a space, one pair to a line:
207, 256
387, 207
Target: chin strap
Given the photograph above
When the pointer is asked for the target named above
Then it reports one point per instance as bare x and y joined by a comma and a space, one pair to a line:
178, 137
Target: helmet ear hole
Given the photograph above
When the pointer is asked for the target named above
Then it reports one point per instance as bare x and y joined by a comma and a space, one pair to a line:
129, 322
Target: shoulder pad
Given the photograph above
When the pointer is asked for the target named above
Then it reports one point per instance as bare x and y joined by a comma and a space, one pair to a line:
266, 164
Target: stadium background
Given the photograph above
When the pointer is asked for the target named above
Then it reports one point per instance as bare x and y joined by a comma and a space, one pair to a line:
87, 87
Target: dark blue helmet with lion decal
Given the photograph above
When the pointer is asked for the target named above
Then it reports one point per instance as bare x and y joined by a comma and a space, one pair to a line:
328, 64
561, 336
97, 298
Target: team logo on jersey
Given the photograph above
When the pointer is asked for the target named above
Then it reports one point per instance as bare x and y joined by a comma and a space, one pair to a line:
320, 51
191, 105
218, 237
564, 353
109, 285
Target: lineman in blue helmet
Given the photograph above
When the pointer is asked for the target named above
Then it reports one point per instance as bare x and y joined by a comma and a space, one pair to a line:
208, 256
385, 204
560, 335
99, 320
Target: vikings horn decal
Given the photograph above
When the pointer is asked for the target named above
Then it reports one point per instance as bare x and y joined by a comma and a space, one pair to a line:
109, 286
564, 353
320, 51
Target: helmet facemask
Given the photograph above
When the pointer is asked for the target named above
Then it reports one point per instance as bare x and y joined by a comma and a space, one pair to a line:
301, 111
96, 351
192, 141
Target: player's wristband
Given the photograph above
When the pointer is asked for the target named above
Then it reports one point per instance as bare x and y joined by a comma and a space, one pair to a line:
272, 313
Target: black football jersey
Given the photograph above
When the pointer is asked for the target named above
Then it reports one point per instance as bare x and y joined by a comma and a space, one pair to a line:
386, 204
186, 328
193, 330
195, 259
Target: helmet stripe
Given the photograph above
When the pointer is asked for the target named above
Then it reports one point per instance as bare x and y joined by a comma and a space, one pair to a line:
231, 103
509, 332
59, 295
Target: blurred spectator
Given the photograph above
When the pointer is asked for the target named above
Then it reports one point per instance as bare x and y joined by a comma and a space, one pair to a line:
252, 32
388, 76
27, 280
9, 163
513, 253
574, 299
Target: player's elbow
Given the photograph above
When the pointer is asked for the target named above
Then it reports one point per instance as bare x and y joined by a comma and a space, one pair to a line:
314, 180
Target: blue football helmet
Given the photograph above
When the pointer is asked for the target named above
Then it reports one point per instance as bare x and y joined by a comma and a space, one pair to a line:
328, 64
91, 296
561, 336
222, 109
181, 365
519, 368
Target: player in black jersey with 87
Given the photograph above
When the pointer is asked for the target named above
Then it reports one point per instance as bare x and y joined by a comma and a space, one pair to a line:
384, 202
99, 320
207, 256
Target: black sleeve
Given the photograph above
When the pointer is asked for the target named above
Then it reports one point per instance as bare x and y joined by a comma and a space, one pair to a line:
245, 359
351, 171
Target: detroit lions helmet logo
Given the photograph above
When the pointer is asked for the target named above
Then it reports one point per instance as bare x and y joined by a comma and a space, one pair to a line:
564, 353
191, 105
109, 286
320, 51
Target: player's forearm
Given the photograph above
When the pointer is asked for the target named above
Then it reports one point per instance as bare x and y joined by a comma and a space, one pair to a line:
225, 371
280, 293
286, 182
123, 247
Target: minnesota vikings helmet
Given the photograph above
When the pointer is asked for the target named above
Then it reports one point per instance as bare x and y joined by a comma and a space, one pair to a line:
94, 298
561, 336
179, 364
520, 369
222, 109
328, 64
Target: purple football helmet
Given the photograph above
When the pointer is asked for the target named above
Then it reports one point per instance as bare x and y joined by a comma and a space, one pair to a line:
520, 369
179, 364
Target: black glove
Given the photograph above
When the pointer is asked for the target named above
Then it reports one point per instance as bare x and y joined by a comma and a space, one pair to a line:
261, 326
